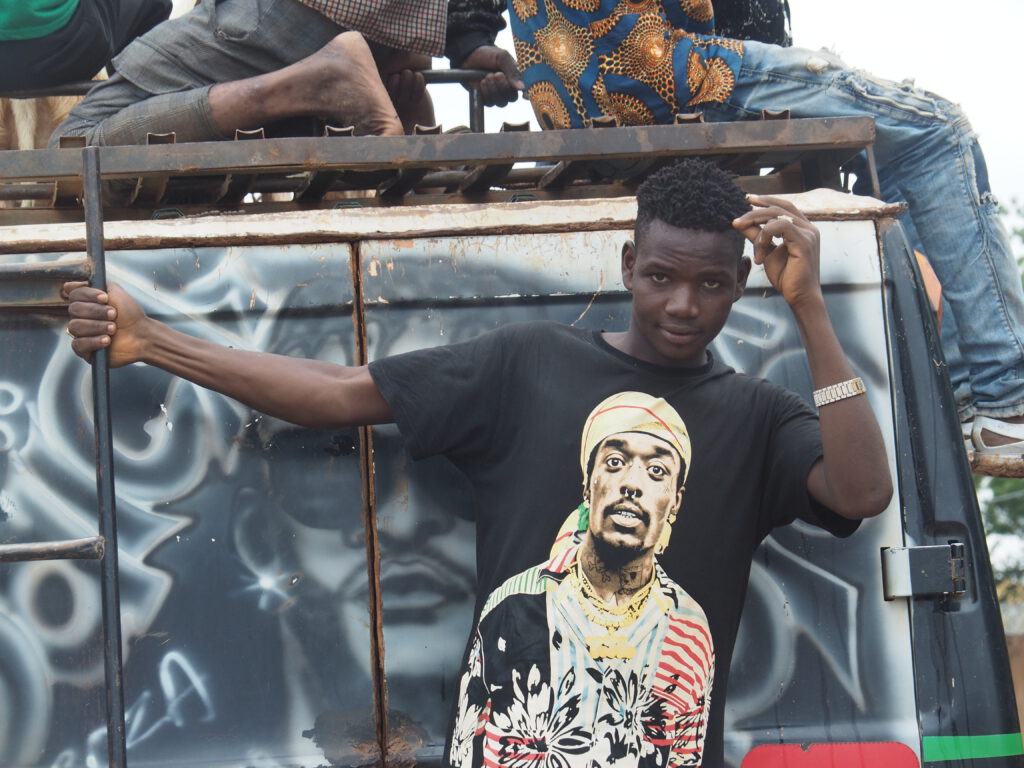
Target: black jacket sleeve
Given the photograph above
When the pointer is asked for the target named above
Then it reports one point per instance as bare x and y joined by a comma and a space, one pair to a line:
472, 23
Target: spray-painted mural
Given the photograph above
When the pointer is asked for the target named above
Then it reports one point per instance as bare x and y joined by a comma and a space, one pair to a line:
245, 583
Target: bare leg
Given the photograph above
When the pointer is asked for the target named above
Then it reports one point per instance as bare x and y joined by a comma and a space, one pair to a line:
338, 83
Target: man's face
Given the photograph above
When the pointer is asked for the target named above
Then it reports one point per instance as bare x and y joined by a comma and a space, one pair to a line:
684, 283
633, 488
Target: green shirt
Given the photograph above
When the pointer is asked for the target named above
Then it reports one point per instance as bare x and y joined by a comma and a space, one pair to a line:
29, 19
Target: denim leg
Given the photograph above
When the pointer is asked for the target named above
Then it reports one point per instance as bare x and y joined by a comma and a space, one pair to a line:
925, 148
956, 366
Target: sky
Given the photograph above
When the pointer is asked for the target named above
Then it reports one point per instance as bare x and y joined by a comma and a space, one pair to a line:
968, 61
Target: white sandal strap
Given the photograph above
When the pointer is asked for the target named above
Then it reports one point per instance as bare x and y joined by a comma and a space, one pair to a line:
996, 426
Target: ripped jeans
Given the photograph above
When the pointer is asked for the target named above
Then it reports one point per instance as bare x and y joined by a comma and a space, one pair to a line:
928, 156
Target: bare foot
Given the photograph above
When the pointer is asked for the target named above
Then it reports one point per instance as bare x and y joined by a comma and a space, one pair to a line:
338, 83
341, 80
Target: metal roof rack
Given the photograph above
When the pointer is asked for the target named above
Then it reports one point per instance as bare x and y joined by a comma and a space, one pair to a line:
773, 155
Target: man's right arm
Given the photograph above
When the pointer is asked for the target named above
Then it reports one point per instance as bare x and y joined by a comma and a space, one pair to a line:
310, 393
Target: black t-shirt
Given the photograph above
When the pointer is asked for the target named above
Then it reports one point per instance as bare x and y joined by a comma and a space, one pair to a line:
508, 409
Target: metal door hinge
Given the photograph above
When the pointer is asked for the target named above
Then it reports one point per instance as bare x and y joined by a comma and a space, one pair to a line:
933, 571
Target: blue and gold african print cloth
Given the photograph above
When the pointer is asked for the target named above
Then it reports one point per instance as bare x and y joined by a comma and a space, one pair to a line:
642, 61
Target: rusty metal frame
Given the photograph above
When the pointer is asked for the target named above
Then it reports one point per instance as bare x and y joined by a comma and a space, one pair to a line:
770, 155
104, 546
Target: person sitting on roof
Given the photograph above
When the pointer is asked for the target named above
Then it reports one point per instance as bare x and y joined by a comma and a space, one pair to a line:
245, 64
644, 62
47, 43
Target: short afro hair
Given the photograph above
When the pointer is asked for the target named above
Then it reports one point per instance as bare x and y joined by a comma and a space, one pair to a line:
691, 194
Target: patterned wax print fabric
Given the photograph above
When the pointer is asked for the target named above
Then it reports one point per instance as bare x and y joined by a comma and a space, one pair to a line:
532, 693
641, 61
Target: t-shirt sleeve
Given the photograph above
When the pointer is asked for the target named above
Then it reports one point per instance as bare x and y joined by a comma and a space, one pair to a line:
443, 398
794, 447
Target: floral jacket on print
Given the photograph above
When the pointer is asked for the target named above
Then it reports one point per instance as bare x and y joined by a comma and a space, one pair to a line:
532, 695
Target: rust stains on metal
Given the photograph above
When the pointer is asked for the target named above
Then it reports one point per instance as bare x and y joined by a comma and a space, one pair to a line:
92, 548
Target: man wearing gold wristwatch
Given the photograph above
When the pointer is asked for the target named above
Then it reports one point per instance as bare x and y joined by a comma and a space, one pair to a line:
506, 409
619, 633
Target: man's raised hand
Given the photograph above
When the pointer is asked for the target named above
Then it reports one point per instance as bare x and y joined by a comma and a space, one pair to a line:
502, 86
104, 320
787, 244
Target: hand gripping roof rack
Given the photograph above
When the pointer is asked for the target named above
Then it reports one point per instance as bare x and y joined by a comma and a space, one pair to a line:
102, 547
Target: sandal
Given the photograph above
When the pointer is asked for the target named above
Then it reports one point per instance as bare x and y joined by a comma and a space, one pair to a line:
967, 431
998, 460
999, 427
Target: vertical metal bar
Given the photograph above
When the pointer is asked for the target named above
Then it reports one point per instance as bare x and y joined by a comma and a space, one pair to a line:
876, 188
367, 477
476, 109
116, 747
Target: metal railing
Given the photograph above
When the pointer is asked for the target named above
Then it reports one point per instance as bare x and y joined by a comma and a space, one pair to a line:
102, 547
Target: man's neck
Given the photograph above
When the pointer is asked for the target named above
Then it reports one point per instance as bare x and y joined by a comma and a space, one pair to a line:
626, 342
619, 582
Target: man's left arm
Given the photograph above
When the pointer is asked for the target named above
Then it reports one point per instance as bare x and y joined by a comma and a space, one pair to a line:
472, 27
852, 477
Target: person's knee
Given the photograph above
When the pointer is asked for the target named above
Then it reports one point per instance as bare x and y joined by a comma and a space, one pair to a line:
72, 127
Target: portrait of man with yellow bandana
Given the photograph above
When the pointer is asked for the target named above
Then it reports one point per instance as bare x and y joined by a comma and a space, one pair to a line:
596, 657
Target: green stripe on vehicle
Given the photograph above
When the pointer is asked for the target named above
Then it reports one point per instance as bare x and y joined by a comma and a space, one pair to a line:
936, 749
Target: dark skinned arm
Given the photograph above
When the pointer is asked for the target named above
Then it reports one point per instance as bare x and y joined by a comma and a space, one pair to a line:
310, 393
472, 28
852, 478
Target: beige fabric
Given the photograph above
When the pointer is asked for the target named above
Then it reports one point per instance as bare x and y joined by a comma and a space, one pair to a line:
635, 412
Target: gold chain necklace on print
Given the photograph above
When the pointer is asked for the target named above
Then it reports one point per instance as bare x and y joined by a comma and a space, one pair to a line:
610, 645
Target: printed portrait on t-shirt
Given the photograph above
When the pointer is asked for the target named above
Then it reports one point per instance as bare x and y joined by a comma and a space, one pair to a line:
596, 657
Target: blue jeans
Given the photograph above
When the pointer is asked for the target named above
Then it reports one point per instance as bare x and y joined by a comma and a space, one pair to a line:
928, 156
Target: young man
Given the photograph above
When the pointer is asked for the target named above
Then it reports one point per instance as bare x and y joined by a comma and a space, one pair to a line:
506, 407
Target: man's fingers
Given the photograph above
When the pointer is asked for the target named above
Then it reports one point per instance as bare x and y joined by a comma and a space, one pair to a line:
83, 292
761, 216
412, 85
68, 287
85, 347
511, 71
771, 218
762, 201
80, 327
504, 82
405, 86
496, 90
749, 231
78, 289
760, 231
91, 310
